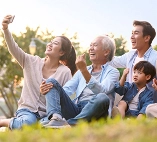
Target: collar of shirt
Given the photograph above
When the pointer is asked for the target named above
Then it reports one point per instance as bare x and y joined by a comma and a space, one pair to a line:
91, 67
146, 54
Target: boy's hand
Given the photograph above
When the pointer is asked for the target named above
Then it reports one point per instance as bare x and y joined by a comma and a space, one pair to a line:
123, 78
154, 85
126, 71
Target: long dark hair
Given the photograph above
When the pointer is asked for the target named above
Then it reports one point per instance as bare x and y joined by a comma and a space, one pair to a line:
69, 56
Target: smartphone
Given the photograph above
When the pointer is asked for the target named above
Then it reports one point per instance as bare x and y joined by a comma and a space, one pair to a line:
11, 19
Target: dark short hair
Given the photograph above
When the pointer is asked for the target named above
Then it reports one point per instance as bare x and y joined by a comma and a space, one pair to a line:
147, 29
147, 68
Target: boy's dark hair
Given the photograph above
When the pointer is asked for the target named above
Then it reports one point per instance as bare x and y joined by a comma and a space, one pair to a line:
147, 29
147, 68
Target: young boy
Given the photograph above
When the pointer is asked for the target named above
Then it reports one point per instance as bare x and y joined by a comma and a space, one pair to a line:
136, 95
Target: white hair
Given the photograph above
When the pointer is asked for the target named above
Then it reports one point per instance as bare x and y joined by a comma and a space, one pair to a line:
108, 43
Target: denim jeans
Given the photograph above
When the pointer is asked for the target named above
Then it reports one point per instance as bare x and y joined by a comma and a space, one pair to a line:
23, 117
131, 113
57, 101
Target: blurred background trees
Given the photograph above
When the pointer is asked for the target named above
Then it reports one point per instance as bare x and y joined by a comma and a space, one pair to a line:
11, 74
155, 47
121, 48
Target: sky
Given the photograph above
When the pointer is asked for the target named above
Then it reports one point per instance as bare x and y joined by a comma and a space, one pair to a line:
89, 18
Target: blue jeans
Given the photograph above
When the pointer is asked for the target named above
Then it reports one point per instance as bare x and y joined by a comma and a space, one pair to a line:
23, 117
131, 113
57, 101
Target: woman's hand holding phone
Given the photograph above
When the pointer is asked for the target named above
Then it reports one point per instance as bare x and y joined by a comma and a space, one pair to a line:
7, 20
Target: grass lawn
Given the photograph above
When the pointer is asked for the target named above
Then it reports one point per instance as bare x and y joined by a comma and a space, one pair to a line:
116, 130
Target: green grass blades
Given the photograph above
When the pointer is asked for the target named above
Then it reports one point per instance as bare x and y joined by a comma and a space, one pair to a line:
110, 130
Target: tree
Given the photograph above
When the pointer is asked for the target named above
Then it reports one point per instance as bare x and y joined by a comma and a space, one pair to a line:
11, 74
120, 48
155, 47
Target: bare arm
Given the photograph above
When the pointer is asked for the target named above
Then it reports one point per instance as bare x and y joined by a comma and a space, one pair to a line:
123, 78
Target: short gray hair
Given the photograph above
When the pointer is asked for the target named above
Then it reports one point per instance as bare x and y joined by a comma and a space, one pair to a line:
108, 43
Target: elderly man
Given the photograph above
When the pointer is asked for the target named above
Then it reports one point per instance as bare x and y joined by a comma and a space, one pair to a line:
92, 85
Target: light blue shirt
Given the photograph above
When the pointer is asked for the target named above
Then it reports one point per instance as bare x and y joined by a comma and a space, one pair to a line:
127, 60
109, 76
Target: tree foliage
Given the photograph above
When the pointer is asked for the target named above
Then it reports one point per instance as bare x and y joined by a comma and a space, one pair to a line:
121, 48
155, 47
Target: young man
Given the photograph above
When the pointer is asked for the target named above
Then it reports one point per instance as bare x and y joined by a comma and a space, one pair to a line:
136, 95
142, 36
92, 84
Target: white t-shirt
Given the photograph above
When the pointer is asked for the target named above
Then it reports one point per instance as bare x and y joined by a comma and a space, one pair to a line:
133, 105
87, 94
137, 59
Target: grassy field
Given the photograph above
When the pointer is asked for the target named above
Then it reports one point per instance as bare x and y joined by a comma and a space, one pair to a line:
110, 131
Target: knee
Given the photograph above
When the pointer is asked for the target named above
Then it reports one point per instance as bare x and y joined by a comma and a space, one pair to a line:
150, 111
51, 80
103, 99
18, 123
30, 121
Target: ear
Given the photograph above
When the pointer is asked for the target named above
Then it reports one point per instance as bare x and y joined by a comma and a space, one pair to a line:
147, 38
61, 53
148, 77
106, 52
